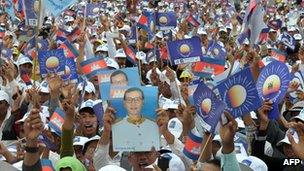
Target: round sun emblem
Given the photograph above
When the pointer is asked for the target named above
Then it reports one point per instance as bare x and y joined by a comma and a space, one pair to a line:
163, 20
184, 49
52, 62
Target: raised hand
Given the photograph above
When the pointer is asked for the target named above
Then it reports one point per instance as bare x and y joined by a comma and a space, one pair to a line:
162, 120
108, 118
33, 125
263, 114
55, 85
227, 133
297, 147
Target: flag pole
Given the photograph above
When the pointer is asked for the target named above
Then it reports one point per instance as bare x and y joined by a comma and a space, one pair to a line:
139, 60
35, 100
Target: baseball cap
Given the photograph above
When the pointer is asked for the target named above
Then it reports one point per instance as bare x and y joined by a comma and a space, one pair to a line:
112, 168
297, 37
87, 104
300, 116
175, 127
103, 48
285, 140
252, 162
44, 87
89, 87
4, 96
79, 140
111, 63
201, 31
120, 53
23, 60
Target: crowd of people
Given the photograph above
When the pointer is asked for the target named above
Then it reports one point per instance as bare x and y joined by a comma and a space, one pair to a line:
28, 100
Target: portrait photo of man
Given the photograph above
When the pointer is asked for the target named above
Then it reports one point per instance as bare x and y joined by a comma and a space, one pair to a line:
135, 131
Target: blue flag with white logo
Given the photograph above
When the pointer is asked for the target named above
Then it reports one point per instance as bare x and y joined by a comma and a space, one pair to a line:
185, 51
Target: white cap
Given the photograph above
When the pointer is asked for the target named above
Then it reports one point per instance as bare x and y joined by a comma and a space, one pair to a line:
87, 104
297, 37
95, 138
44, 87
175, 163
253, 162
300, 116
246, 42
201, 31
285, 139
141, 55
120, 53
111, 63
175, 127
292, 28
125, 28
79, 140
89, 88
223, 29
160, 34
4, 96
103, 48
23, 60
112, 168
68, 18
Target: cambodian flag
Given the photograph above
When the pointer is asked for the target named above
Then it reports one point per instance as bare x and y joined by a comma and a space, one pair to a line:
69, 50
18, 8
205, 69
142, 21
264, 35
278, 55
74, 34
192, 146
92, 66
193, 21
131, 54
57, 120
47, 165
29, 48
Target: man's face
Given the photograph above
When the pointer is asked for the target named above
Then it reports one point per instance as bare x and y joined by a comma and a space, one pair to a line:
119, 80
288, 151
43, 97
133, 102
3, 107
208, 166
140, 160
121, 62
27, 67
88, 124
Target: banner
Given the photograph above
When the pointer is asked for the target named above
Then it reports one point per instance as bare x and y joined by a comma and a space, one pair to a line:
57, 120
208, 107
70, 73
69, 50
31, 17
192, 148
272, 84
185, 51
92, 66
52, 61
166, 20
239, 93
57, 6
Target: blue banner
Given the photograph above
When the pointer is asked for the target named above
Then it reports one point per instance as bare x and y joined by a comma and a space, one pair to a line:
57, 6
166, 20
239, 93
185, 51
52, 61
70, 73
208, 107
